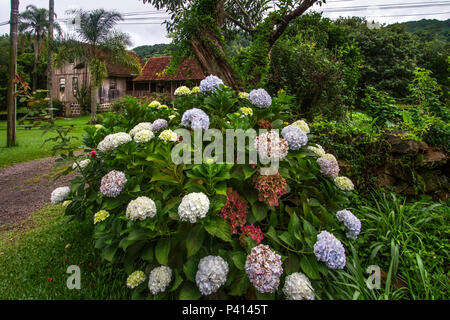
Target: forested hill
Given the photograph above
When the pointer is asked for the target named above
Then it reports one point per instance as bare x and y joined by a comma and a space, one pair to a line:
428, 30
145, 52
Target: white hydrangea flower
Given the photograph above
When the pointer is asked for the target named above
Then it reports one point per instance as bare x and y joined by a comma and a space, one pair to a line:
99, 127
193, 206
270, 146
246, 111
59, 195
243, 95
159, 279
100, 216
154, 104
318, 150
141, 126
168, 135
331, 157
182, 91
143, 136
172, 116
112, 141
135, 279
302, 125
344, 183
141, 208
82, 164
298, 287
211, 274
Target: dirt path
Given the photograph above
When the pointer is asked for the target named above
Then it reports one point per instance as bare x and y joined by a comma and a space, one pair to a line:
25, 188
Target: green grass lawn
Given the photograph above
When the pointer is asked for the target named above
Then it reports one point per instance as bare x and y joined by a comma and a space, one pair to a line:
30, 141
35, 255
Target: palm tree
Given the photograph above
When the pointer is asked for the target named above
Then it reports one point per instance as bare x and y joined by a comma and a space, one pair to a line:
34, 21
96, 44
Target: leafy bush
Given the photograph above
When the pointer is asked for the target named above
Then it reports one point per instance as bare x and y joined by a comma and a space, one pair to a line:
192, 211
381, 107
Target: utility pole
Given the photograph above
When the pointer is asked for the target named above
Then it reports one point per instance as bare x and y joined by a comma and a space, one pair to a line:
51, 20
11, 100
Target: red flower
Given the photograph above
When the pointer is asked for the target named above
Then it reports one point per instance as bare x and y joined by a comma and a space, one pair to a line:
93, 154
252, 232
50, 279
66, 259
234, 211
270, 188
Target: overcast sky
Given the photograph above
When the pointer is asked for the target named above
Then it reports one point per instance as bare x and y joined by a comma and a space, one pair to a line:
384, 11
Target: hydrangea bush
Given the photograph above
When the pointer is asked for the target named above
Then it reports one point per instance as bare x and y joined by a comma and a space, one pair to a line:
222, 230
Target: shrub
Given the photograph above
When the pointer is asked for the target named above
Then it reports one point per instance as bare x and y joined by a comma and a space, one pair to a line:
208, 219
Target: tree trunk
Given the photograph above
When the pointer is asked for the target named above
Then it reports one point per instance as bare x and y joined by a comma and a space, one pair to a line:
11, 100
35, 65
51, 18
94, 90
213, 59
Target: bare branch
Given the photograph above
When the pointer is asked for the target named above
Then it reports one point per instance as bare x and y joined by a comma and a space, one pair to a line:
238, 23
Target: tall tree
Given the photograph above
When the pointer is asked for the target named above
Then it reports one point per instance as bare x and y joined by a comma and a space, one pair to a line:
199, 28
35, 22
11, 100
96, 44
51, 15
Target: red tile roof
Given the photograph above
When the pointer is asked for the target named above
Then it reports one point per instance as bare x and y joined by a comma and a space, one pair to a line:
188, 70
119, 71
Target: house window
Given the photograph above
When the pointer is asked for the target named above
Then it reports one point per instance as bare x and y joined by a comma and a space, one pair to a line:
113, 83
75, 85
62, 84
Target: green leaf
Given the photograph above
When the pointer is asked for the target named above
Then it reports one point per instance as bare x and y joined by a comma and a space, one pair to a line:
259, 211
219, 228
292, 264
308, 268
221, 188
147, 253
294, 224
286, 238
109, 252
239, 286
162, 250
189, 292
176, 283
194, 240
238, 257
190, 269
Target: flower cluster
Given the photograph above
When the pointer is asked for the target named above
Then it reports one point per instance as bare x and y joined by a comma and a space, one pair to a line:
246, 111
265, 124
66, 203
143, 136
159, 279
135, 279
112, 141
59, 194
168, 135
113, 183
141, 126
141, 208
100, 216
159, 124
264, 268
252, 232
234, 211
330, 250
195, 118
211, 274
99, 127
351, 222
295, 137
344, 183
243, 95
81, 164
302, 125
328, 167
270, 146
298, 287
318, 150
210, 83
154, 104
195, 90
182, 91
193, 206
270, 188
163, 106
260, 98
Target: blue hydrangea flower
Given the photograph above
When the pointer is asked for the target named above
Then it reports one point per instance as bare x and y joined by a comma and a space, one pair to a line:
159, 124
195, 118
351, 222
295, 137
210, 83
260, 98
328, 167
330, 250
